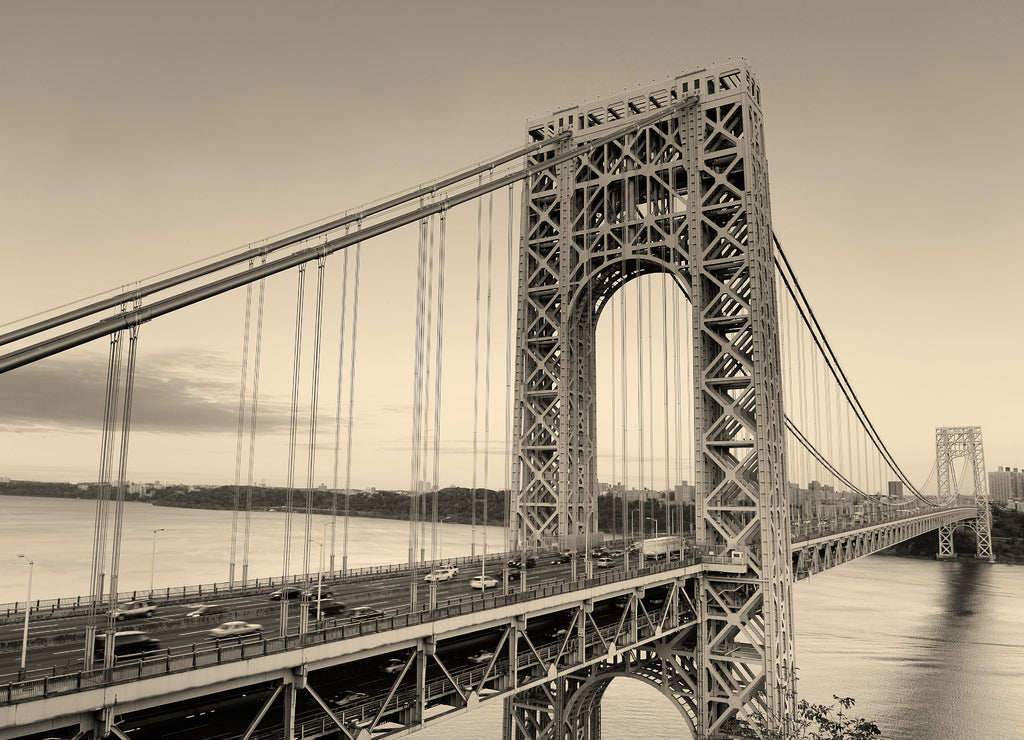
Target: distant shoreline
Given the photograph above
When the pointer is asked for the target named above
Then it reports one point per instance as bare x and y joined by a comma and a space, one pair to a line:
455, 504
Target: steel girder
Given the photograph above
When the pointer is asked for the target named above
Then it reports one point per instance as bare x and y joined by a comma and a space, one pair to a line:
952, 443
686, 195
821, 553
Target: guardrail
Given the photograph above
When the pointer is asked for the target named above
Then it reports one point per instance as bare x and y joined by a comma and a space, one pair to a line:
40, 683
40, 607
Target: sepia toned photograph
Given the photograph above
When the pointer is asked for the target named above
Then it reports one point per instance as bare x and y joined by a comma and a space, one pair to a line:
517, 370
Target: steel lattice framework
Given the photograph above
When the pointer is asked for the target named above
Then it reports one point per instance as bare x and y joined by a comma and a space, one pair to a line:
681, 189
952, 443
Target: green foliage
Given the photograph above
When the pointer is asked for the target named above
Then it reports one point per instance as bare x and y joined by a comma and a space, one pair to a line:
812, 722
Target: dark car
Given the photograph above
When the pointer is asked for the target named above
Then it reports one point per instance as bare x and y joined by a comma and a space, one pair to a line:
325, 593
287, 592
563, 557
203, 610
364, 612
327, 608
127, 643
519, 563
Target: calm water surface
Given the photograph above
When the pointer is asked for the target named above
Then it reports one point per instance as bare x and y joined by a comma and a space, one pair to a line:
930, 651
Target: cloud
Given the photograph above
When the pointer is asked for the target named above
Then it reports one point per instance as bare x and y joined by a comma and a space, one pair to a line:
174, 392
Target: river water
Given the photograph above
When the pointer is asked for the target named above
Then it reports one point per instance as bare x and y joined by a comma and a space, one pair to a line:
930, 650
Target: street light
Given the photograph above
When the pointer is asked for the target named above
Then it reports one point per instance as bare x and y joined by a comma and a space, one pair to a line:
652, 519
440, 538
320, 575
152, 561
28, 599
324, 538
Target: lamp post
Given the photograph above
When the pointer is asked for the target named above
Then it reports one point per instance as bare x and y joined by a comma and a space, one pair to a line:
152, 561
28, 599
320, 575
324, 539
652, 519
440, 539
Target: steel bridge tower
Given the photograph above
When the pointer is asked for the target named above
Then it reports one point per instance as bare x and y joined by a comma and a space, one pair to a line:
673, 179
951, 443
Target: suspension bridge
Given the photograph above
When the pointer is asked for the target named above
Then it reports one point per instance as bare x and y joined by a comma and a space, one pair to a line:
650, 331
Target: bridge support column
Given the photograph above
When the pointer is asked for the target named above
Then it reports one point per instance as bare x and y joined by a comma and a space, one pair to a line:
681, 188
951, 443
292, 685
540, 712
946, 551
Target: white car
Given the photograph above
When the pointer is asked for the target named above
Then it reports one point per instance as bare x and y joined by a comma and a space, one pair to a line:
482, 582
439, 576
134, 609
231, 629
481, 656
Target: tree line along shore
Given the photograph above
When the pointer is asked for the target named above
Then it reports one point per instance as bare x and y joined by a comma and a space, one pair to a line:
460, 505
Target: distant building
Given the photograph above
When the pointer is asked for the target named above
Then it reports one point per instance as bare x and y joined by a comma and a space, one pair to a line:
1005, 484
895, 489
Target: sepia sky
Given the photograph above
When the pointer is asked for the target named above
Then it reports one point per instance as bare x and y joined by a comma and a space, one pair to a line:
138, 137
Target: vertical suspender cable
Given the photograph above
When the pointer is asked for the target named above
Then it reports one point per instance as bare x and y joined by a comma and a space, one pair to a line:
438, 363
664, 347
314, 398
623, 378
292, 430
828, 423
428, 353
476, 371
241, 429
788, 376
678, 409
253, 418
506, 509
487, 364
590, 491
99, 545
692, 350
642, 447
803, 399
122, 474
816, 406
416, 406
337, 408
614, 426
351, 408
649, 289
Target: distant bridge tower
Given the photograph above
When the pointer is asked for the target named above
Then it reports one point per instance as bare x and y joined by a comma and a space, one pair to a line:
950, 444
670, 178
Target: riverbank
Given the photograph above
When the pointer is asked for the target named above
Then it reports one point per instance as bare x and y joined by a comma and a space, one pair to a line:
462, 506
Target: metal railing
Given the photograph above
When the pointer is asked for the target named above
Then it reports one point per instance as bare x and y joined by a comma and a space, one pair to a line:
40, 683
179, 594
